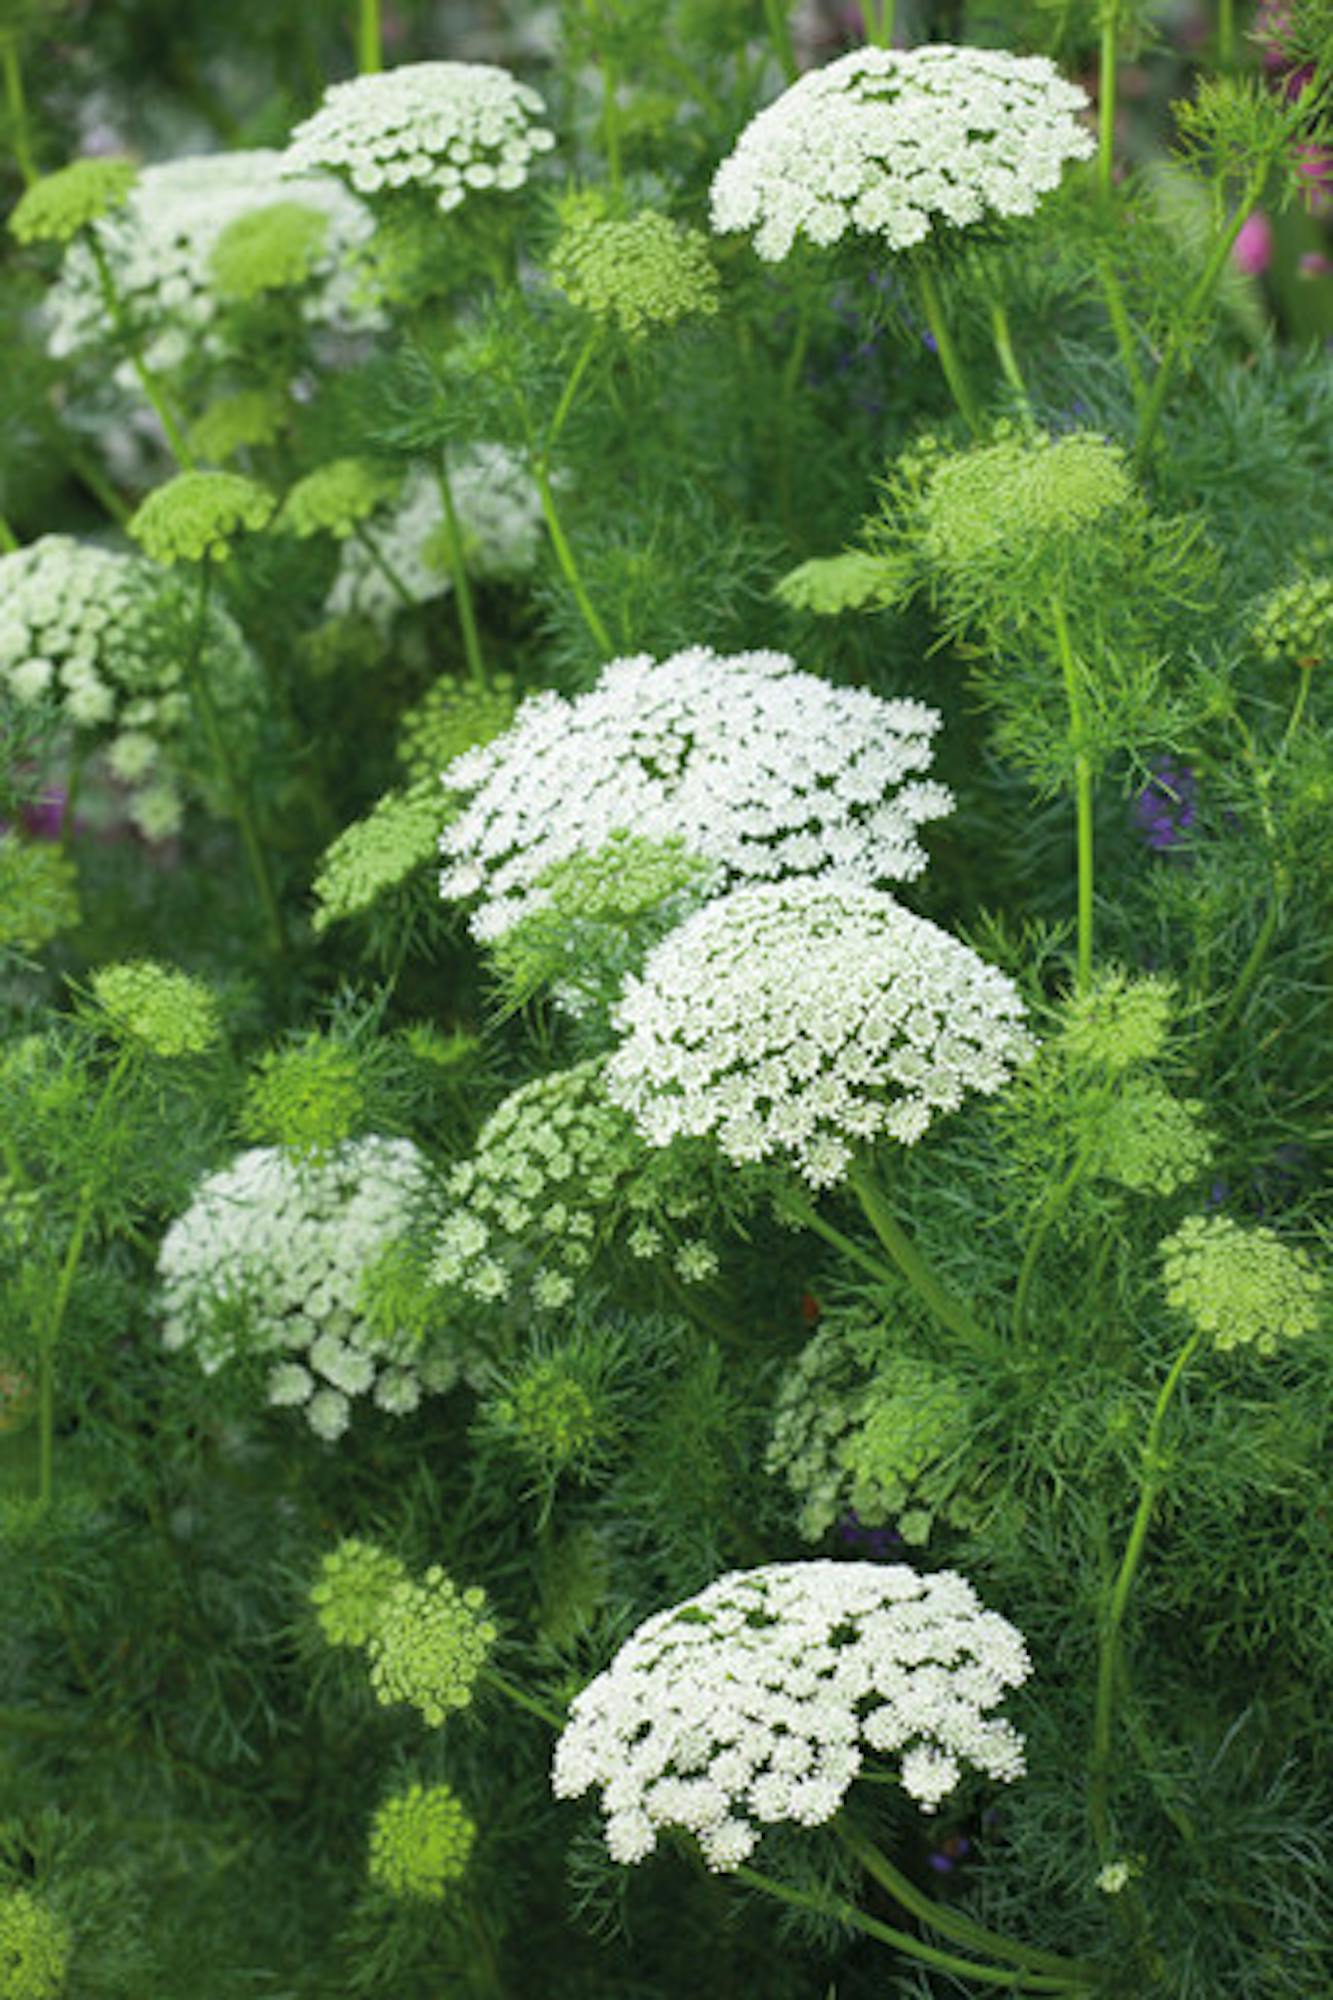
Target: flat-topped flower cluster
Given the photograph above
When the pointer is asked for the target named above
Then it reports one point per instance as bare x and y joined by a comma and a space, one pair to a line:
756, 1702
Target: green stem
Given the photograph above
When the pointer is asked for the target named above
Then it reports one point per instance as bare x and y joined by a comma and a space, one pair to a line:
453, 555
17, 106
950, 360
196, 680
798, 1209
1150, 415
383, 565
779, 33
878, 18
1053, 1206
1106, 84
951, 1923
9, 541
87, 471
50, 1334
947, 1309
369, 41
943, 1961
1008, 360
611, 125
147, 380
1118, 314
564, 555
573, 382
503, 1685
1114, 1615
1226, 33
1082, 792
791, 375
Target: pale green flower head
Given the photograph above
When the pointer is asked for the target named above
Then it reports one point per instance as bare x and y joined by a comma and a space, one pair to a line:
396, 840
34, 1948
430, 1645
449, 719
1151, 1142
169, 1012
270, 249
420, 1841
350, 1591
335, 498
56, 208
38, 893
238, 423
309, 1096
1019, 498
1243, 1287
635, 274
1295, 622
198, 515
1119, 1023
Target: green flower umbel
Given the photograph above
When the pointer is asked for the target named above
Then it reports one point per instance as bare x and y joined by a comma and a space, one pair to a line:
34, 1948
633, 275
309, 1096
198, 515
1018, 499
350, 1592
430, 1645
335, 498
269, 250
1295, 623
55, 209
169, 1012
420, 1841
1243, 1287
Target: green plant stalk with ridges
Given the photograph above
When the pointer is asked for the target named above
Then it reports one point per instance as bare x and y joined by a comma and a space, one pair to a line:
453, 555
1082, 791
541, 455
1106, 95
946, 1308
879, 18
144, 375
16, 104
955, 374
369, 40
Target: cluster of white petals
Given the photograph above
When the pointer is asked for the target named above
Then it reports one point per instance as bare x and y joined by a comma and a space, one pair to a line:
886, 142
769, 771
280, 1255
452, 128
757, 1700
499, 525
159, 245
810, 1018
101, 635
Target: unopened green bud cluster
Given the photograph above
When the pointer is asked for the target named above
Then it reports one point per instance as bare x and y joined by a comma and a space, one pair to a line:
268, 250
1295, 623
34, 1948
335, 498
394, 841
350, 1591
420, 1841
38, 893
1242, 1287
198, 515
56, 208
308, 1096
170, 1013
637, 274
430, 1642
452, 717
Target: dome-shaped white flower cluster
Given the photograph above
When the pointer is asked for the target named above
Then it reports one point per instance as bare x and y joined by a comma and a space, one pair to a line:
770, 771
885, 141
160, 242
284, 1256
809, 1018
103, 635
756, 1702
499, 523
452, 128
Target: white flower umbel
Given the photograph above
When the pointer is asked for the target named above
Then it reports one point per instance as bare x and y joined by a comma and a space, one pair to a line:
767, 770
756, 1702
499, 523
807, 1019
159, 246
450, 128
279, 1255
103, 635
889, 143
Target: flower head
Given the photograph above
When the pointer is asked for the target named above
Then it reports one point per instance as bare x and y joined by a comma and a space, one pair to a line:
645, 272
56, 208
429, 1645
394, 841
1018, 499
1295, 622
448, 128
891, 143
198, 515
1164, 808
270, 249
752, 764
420, 1840
335, 498
451, 717
38, 893
34, 1948
308, 1096
1242, 1287
237, 423
1117, 1023
349, 1593
169, 1012
806, 1019
756, 1701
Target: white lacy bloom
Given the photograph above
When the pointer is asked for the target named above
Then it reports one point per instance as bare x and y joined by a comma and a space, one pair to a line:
809, 1018
279, 1255
499, 523
757, 1700
886, 141
159, 244
769, 771
450, 127
103, 634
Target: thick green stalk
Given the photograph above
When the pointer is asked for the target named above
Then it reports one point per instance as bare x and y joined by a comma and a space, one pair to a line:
960, 388
147, 380
946, 1308
779, 34
453, 555
1106, 83
1113, 1618
17, 106
797, 1209
9, 541
1226, 33
369, 38
503, 1685
1150, 416
1008, 360
1082, 791
878, 16
611, 125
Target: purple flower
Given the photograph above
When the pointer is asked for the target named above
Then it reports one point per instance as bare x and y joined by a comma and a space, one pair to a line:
945, 1858
1164, 809
877, 1543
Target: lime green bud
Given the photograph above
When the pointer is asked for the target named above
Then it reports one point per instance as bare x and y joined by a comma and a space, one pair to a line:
551, 1416
430, 1645
349, 1595
646, 272
198, 515
1244, 1287
420, 1840
269, 250
1151, 1142
55, 209
38, 896
335, 497
1012, 498
397, 839
1295, 623
1118, 1023
238, 423
169, 1012
308, 1096
450, 719
34, 1948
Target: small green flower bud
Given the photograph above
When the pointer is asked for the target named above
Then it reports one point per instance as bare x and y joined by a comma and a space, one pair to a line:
1295, 623
636, 274
198, 515
308, 1096
397, 839
55, 209
450, 719
34, 1948
1244, 1287
237, 423
269, 250
431, 1643
171, 1013
335, 497
420, 1840
350, 1592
